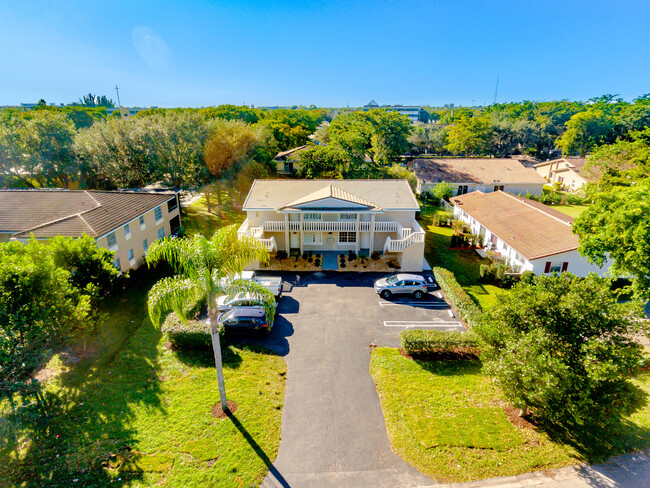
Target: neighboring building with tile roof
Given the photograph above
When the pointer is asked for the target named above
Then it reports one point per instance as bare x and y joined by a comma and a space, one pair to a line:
336, 215
526, 233
569, 172
125, 222
287, 162
477, 174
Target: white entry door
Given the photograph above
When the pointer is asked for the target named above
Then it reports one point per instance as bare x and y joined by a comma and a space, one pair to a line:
295, 240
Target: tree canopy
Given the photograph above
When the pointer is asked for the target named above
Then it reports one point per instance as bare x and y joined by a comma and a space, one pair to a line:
566, 357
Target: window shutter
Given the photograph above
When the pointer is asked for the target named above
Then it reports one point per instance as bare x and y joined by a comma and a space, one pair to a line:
547, 268
565, 265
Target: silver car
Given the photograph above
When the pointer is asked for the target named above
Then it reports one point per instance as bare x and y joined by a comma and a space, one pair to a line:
401, 283
227, 302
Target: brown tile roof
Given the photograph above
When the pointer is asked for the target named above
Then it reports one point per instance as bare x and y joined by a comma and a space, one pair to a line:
47, 213
530, 228
386, 194
474, 170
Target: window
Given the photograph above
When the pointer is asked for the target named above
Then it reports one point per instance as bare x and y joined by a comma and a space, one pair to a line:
127, 231
348, 216
172, 204
161, 233
347, 237
312, 216
116, 263
498, 187
131, 258
145, 245
518, 257
462, 189
158, 214
142, 224
111, 241
552, 267
313, 238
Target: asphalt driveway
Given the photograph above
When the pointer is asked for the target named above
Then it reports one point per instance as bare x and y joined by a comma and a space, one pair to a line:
333, 431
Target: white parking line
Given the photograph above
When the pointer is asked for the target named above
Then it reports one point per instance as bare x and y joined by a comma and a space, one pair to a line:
438, 294
451, 314
415, 303
423, 324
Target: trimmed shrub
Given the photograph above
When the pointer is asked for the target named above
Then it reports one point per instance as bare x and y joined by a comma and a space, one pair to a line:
310, 259
485, 272
194, 335
426, 342
508, 281
527, 277
280, 255
305, 255
342, 264
375, 255
342, 256
352, 256
466, 307
317, 262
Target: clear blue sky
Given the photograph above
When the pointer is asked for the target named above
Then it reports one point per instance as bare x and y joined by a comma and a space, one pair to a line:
328, 53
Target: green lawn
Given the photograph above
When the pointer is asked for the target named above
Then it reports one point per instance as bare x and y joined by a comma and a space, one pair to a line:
446, 419
464, 264
572, 210
197, 219
137, 414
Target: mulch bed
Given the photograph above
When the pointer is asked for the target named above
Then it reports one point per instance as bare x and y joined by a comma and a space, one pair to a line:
513, 416
217, 411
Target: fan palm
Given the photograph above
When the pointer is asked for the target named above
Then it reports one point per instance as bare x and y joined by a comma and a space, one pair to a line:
205, 269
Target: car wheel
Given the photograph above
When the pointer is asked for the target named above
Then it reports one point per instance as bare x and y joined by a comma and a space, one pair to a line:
417, 294
385, 294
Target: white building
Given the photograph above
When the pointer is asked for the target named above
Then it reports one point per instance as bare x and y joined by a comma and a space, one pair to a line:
477, 174
524, 232
568, 172
337, 216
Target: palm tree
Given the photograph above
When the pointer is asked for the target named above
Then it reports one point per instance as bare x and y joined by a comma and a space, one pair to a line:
205, 269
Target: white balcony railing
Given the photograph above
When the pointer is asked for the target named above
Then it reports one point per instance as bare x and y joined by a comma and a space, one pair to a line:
409, 236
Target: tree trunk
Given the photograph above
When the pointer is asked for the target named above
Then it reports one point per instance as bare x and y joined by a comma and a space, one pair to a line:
207, 198
219, 202
218, 362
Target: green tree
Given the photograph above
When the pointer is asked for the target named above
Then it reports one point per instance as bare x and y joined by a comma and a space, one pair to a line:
322, 162
565, 347
39, 306
586, 130
442, 191
469, 135
92, 100
232, 112
205, 269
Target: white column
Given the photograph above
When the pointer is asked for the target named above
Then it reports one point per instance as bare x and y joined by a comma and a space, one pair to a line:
372, 232
358, 240
287, 234
300, 234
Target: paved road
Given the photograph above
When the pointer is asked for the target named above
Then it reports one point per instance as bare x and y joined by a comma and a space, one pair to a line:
333, 430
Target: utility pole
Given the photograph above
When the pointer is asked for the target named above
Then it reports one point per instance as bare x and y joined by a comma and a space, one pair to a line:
496, 91
119, 104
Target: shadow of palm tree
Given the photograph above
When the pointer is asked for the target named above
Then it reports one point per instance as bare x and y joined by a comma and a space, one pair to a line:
258, 450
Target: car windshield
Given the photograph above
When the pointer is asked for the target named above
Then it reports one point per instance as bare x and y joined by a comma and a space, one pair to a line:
391, 280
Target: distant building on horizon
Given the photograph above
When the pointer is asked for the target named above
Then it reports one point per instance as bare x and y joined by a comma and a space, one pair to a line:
415, 113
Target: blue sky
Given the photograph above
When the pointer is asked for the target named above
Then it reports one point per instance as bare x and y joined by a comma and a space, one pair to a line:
333, 53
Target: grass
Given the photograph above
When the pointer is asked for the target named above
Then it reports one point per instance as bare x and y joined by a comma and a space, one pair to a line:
571, 210
446, 419
465, 264
198, 220
137, 414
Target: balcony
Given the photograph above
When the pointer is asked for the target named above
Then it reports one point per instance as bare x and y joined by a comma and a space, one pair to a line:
319, 226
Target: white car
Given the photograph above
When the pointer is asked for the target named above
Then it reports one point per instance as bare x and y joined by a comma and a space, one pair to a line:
227, 302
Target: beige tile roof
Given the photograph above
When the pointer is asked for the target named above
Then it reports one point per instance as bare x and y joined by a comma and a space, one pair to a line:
475, 170
289, 151
331, 191
46, 213
385, 194
530, 228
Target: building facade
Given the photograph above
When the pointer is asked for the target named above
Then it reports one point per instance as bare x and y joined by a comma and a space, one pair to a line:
124, 222
336, 215
568, 172
527, 234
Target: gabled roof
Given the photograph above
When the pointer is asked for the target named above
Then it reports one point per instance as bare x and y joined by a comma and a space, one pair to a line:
487, 171
532, 229
289, 151
572, 163
375, 194
330, 191
47, 213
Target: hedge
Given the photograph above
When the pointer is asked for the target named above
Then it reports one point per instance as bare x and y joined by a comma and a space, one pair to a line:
469, 311
423, 342
194, 335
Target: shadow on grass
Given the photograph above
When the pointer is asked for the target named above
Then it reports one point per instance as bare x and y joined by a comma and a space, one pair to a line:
75, 431
259, 451
203, 357
451, 367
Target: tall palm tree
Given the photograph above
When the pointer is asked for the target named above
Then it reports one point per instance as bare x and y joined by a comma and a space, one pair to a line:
205, 269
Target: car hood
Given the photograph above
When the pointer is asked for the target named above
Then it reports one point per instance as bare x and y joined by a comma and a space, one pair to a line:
221, 301
381, 282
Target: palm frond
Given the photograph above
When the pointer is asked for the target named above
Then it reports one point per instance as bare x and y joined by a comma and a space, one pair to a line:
175, 294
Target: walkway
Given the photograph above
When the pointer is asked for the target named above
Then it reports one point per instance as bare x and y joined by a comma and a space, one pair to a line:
330, 262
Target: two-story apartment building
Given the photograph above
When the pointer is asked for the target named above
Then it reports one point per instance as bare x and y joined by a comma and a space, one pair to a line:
568, 172
525, 233
125, 222
336, 216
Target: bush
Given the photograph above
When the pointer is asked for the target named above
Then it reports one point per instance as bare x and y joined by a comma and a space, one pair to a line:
317, 262
466, 307
375, 255
485, 272
423, 342
507, 281
305, 255
342, 256
342, 264
352, 256
194, 335
317, 256
310, 259
281, 255
527, 277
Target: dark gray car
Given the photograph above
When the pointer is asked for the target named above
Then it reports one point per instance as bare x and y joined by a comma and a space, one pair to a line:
408, 284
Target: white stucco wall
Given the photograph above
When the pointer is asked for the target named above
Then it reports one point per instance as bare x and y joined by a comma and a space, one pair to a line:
514, 188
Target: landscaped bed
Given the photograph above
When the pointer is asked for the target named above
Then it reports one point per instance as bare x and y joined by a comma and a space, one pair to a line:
138, 413
446, 418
